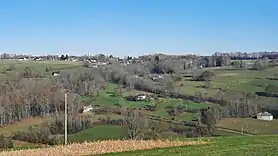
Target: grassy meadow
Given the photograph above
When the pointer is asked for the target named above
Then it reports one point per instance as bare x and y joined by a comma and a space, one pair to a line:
107, 97
250, 125
36, 66
236, 82
100, 132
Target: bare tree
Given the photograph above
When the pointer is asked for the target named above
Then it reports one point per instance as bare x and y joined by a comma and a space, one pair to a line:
136, 123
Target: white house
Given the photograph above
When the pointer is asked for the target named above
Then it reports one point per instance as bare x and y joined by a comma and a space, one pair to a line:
87, 109
140, 97
265, 116
56, 73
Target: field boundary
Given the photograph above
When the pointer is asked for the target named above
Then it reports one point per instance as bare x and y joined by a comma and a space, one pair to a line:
234, 131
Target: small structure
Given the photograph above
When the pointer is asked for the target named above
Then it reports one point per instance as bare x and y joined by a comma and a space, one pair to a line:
157, 78
140, 97
265, 116
55, 73
87, 109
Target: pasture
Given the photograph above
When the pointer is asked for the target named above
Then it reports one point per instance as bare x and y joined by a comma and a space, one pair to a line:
234, 82
100, 132
250, 125
108, 97
17, 67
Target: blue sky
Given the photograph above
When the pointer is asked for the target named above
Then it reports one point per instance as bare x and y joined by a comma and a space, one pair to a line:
136, 27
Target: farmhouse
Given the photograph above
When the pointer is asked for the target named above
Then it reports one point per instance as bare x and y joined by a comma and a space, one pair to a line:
140, 97
87, 109
265, 116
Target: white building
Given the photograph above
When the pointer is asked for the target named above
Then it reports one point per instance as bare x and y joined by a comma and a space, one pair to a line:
55, 73
87, 109
140, 97
265, 116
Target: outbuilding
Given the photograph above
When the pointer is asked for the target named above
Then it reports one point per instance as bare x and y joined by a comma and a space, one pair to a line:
265, 116
140, 97
56, 73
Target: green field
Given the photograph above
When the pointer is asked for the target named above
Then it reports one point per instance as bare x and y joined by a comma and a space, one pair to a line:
107, 97
220, 146
250, 125
236, 82
35, 66
100, 132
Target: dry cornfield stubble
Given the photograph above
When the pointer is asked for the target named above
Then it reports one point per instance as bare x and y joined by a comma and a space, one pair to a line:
100, 147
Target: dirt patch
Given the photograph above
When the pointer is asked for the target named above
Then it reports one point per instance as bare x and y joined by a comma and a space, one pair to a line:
100, 147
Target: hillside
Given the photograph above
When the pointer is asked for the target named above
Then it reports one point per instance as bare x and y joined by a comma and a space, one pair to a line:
196, 100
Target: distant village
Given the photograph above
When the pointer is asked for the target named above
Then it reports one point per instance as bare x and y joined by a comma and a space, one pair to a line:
233, 55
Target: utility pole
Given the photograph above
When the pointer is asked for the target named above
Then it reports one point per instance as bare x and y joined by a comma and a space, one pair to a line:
66, 118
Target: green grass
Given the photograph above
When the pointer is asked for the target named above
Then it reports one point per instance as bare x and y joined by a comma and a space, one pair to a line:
107, 97
250, 125
35, 66
100, 132
220, 146
236, 81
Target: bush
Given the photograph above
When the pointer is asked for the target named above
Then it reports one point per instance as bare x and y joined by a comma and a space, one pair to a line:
35, 135
5, 142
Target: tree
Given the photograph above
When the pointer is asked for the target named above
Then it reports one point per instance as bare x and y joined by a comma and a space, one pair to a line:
5, 142
101, 58
261, 64
27, 73
66, 57
136, 124
62, 57
207, 76
156, 59
241, 64
264, 62
208, 119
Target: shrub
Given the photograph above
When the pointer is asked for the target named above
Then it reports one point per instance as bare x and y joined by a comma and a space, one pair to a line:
5, 142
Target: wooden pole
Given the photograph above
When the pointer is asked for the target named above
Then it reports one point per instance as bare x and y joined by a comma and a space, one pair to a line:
66, 118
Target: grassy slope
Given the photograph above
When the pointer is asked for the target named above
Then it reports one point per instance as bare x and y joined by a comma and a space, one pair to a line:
250, 125
107, 97
221, 146
237, 80
100, 132
36, 66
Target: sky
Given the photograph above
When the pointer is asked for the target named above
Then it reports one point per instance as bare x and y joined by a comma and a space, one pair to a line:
137, 27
